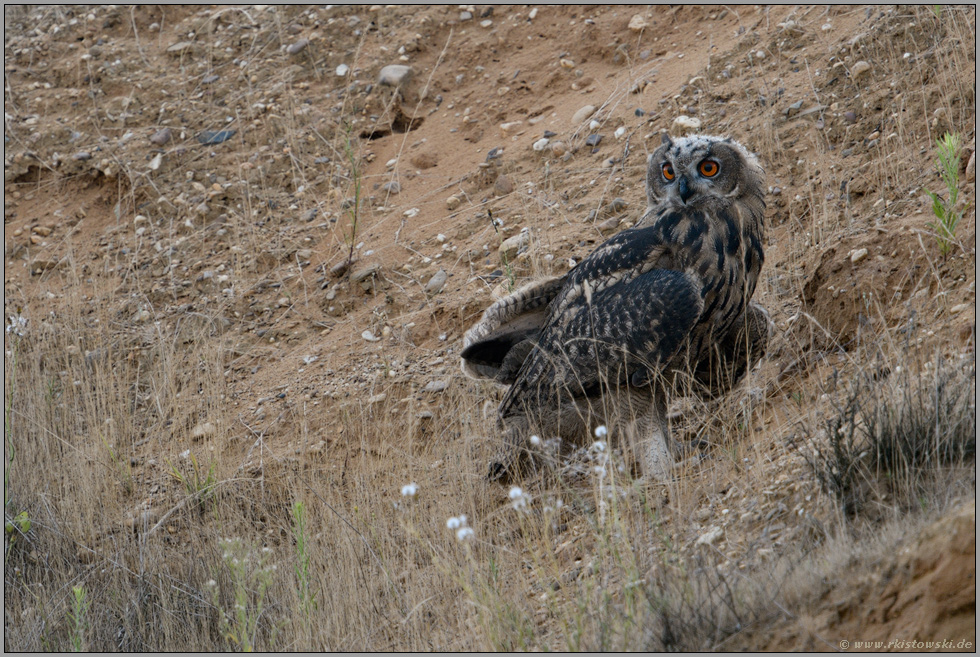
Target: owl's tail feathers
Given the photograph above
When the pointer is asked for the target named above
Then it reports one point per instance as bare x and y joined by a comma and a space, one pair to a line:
496, 346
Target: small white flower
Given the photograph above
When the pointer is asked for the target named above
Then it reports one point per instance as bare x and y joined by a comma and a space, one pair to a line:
409, 490
519, 499
464, 533
17, 324
600, 431
535, 440
211, 583
453, 523
598, 446
462, 519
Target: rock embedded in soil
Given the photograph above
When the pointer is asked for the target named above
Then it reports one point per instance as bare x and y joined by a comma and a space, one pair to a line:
297, 47
436, 386
503, 186
684, 125
452, 203
637, 23
436, 283
513, 246
203, 430
859, 69
395, 75
583, 114
859, 255
161, 137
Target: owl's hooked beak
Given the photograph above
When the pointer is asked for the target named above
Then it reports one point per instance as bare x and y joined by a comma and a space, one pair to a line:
685, 191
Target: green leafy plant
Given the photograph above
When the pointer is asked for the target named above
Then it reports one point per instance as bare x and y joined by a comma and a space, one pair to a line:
306, 596
78, 616
948, 164
196, 481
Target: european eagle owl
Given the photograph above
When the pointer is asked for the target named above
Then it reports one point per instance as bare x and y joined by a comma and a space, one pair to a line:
662, 305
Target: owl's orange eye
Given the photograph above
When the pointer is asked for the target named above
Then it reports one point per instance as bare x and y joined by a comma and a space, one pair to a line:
668, 171
708, 168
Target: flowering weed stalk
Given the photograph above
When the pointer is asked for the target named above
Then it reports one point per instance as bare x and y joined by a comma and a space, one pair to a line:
251, 576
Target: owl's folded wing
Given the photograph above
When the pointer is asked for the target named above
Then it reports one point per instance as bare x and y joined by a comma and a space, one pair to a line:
622, 334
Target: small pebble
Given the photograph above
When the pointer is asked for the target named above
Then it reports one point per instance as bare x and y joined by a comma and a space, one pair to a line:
298, 46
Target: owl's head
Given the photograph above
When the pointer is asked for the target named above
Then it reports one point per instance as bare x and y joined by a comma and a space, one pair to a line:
702, 172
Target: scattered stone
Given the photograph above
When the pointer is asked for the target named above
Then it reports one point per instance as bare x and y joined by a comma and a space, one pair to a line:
583, 114
638, 112
958, 308
452, 203
793, 109
710, 536
558, 149
510, 126
566, 63
210, 79
620, 132
425, 160
436, 386
609, 225
540, 144
465, 16
365, 275
615, 206
203, 430
342, 70
82, 156
341, 268
859, 255
513, 246
637, 23
850, 117
503, 186
392, 187
395, 75
369, 336
684, 125
298, 47
161, 137
43, 231
436, 283
593, 140
859, 69
180, 48
210, 137
486, 23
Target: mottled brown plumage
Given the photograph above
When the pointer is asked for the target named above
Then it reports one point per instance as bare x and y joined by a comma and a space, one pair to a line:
665, 304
